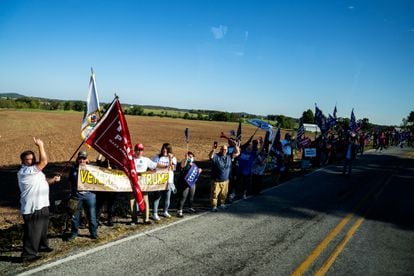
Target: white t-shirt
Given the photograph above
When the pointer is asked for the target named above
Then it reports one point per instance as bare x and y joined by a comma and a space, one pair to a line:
34, 189
143, 163
165, 161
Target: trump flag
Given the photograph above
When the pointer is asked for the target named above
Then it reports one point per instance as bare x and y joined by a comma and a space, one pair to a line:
111, 138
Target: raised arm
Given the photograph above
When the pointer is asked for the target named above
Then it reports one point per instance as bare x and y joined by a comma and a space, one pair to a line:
41, 164
236, 151
211, 154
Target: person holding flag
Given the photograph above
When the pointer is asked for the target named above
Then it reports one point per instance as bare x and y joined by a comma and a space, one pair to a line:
186, 183
277, 162
110, 137
259, 163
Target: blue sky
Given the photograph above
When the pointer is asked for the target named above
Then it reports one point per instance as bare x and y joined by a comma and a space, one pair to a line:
260, 57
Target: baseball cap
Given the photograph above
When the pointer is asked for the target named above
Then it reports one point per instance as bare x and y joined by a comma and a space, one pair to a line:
139, 146
82, 154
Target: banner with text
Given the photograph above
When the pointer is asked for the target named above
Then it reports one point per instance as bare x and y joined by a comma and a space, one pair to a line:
93, 178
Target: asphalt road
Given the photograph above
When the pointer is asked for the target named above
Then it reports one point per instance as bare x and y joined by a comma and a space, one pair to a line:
322, 223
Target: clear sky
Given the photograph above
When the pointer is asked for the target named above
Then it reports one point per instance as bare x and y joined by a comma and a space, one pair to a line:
261, 57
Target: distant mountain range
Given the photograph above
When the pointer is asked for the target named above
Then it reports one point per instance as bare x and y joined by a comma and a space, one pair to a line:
11, 95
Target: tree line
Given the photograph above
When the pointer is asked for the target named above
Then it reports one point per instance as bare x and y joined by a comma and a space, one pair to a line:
21, 102
282, 121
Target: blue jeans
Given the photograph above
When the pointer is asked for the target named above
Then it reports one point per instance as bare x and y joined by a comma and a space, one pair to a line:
87, 201
167, 196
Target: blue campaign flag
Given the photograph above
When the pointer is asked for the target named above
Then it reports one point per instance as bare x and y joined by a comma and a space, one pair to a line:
192, 175
353, 126
273, 148
320, 119
260, 124
331, 121
186, 135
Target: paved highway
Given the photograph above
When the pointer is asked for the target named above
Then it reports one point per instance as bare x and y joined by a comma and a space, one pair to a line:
322, 223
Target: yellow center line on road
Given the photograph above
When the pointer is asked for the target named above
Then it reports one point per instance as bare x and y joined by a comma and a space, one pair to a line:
331, 259
340, 247
321, 246
332, 234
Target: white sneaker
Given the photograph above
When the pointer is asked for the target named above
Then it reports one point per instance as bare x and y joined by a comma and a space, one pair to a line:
179, 213
165, 214
232, 196
214, 209
156, 217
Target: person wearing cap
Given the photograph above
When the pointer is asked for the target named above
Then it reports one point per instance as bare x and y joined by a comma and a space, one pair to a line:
34, 202
86, 200
142, 164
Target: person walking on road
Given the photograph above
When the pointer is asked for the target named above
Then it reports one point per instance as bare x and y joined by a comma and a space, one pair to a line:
350, 154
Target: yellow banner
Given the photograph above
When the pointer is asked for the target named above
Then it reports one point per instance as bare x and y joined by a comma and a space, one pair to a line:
93, 178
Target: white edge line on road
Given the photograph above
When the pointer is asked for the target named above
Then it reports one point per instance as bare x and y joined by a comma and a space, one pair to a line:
107, 245
122, 240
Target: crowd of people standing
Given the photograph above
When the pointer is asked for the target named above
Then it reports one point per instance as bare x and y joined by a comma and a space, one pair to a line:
237, 171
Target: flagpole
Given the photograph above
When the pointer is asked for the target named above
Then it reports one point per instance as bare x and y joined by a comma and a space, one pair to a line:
83, 141
67, 162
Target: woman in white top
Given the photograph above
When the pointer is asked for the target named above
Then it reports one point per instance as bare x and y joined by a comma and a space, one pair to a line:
166, 163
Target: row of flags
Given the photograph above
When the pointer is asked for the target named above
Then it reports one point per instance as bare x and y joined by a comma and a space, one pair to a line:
109, 134
326, 123
323, 122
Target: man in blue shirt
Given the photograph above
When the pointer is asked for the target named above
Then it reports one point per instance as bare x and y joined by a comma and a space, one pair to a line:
220, 173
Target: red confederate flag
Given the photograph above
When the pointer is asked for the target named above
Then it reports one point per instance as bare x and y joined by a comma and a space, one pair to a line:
111, 138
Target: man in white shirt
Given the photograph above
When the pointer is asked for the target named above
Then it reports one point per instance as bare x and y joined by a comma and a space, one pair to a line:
34, 201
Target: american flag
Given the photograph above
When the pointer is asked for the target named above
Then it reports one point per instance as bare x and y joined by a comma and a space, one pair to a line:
300, 132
